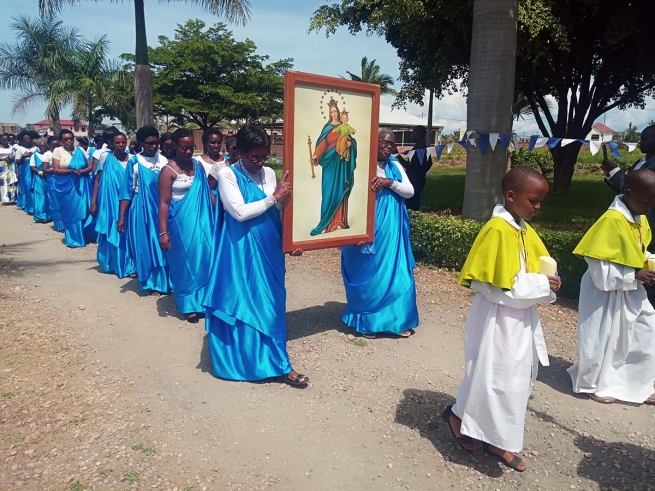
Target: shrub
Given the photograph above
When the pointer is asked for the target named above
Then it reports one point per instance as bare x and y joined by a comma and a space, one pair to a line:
541, 160
445, 242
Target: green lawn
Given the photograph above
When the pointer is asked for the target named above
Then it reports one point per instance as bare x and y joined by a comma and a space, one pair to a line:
590, 197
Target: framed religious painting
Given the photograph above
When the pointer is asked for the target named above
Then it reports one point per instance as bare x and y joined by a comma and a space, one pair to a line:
330, 152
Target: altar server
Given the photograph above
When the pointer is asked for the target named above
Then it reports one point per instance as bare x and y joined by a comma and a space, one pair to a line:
616, 322
246, 297
186, 224
503, 339
72, 189
379, 277
138, 217
112, 249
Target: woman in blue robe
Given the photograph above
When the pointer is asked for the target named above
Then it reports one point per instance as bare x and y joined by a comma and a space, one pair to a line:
379, 277
71, 168
53, 204
246, 298
186, 222
27, 148
40, 185
338, 175
138, 217
112, 248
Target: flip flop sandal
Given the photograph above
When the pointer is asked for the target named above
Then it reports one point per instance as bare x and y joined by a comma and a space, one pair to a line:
650, 401
369, 336
405, 334
194, 319
297, 382
602, 400
462, 440
513, 464
155, 294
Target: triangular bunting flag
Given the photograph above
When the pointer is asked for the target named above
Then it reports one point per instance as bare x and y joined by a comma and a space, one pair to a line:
462, 143
515, 140
594, 146
504, 140
533, 142
420, 153
541, 142
615, 152
484, 143
552, 142
566, 141
472, 142
631, 146
468, 135
449, 147
438, 150
493, 139
410, 154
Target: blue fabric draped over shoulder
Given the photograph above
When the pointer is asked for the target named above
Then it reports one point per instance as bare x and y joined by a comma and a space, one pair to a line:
379, 277
73, 196
112, 249
190, 227
25, 186
54, 204
245, 297
337, 180
142, 227
40, 187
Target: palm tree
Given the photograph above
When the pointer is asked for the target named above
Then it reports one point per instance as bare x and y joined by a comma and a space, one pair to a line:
371, 75
490, 97
34, 65
98, 82
237, 11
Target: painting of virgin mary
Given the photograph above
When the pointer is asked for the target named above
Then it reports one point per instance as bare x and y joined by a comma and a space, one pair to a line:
338, 172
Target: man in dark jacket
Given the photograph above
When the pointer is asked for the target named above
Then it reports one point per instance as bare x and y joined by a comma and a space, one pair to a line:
417, 167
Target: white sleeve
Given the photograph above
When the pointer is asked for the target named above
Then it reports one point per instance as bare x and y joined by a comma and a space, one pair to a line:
608, 276
403, 189
232, 199
529, 289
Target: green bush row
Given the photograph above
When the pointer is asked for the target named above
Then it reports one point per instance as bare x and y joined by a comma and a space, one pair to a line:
445, 242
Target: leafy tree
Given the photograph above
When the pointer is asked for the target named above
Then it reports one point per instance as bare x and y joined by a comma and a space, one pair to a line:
590, 56
233, 10
204, 76
33, 66
371, 75
631, 135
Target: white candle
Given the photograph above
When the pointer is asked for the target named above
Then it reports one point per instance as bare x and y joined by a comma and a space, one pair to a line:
547, 266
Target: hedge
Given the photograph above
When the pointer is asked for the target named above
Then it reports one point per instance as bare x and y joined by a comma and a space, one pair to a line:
445, 242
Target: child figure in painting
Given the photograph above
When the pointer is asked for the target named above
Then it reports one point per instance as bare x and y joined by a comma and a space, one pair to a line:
345, 131
616, 322
503, 339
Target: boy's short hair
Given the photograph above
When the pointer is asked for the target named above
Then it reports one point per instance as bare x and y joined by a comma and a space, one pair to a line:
517, 177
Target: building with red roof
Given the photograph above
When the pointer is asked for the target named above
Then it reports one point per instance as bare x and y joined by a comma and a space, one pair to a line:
45, 127
600, 133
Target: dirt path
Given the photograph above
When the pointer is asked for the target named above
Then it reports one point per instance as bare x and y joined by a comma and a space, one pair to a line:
103, 388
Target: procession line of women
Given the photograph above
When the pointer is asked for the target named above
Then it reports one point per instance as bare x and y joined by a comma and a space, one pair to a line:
208, 229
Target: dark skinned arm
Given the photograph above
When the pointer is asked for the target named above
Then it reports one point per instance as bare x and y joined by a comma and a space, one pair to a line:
166, 178
124, 206
94, 196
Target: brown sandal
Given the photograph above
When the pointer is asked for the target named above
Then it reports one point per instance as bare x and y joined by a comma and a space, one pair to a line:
512, 464
602, 400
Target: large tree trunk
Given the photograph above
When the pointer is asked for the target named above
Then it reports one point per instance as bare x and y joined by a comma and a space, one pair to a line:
142, 73
564, 160
490, 97
430, 109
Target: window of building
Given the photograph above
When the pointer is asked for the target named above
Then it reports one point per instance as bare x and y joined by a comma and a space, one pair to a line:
595, 138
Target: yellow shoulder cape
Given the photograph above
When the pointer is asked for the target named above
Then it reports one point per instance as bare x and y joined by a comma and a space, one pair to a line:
494, 256
613, 238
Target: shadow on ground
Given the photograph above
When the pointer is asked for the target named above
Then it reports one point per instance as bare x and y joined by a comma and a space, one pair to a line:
316, 319
421, 410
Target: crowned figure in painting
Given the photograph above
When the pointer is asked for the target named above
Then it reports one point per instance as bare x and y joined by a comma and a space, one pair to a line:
336, 153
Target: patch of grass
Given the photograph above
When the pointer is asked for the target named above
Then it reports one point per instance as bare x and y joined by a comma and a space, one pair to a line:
16, 363
589, 199
17, 439
77, 486
8, 395
78, 421
188, 488
359, 342
142, 428
140, 447
132, 477
104, 472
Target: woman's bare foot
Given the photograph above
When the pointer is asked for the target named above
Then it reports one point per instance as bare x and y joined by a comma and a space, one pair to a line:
456, 425
155, 294
510, 460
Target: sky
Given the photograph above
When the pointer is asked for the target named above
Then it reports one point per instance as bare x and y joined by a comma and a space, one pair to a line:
279, 29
